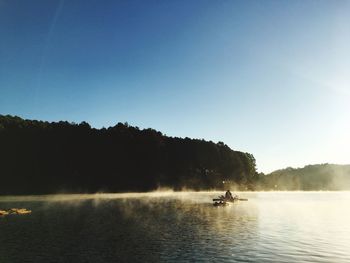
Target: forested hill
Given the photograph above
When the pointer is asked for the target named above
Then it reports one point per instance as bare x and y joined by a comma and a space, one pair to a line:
39, 157
311, 177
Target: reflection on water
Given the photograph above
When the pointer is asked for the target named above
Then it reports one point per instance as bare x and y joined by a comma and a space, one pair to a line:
159, 227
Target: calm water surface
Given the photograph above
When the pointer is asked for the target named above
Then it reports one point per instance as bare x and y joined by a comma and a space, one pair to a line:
177, 227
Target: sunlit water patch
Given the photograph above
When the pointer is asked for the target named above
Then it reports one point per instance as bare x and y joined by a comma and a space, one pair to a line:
177, 227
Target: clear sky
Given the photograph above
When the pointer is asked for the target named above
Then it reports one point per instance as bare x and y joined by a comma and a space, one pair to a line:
267, 77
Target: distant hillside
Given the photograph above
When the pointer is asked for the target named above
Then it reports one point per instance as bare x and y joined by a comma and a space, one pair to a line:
39, 157
311, 177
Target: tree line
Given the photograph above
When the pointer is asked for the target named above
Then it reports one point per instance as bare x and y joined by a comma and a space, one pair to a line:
318, 177
39, 157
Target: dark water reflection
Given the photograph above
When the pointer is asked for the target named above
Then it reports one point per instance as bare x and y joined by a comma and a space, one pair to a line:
280, 227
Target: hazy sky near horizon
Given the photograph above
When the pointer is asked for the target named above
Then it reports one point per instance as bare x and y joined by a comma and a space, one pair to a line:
267, 77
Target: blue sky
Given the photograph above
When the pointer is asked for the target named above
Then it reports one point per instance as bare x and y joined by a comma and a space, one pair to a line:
267, 77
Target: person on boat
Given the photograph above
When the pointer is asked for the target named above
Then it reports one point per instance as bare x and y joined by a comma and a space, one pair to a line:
228, 195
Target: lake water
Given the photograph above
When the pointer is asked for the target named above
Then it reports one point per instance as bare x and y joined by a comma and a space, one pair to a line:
177, 227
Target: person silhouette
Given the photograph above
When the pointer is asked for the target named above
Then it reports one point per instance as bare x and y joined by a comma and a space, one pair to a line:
228, 195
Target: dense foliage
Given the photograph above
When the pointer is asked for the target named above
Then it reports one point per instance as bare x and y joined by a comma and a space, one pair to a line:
42, 157
311, 177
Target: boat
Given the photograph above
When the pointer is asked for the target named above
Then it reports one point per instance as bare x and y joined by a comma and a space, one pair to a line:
223, 201
15, 211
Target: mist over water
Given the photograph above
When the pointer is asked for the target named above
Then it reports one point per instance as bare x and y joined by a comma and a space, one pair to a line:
181, 227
